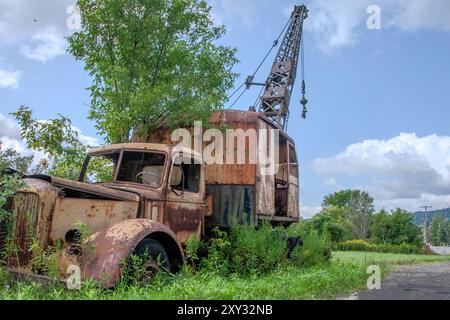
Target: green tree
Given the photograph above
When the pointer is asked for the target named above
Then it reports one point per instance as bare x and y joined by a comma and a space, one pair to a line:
339, 221
444, 232
440, 231
151, 60
340, 199
403, 228
381, 226
57, 139
359, 208
330, 222
395, 228
60, 142
434, 230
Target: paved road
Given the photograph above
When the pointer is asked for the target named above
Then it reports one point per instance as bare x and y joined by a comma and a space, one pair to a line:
419, 282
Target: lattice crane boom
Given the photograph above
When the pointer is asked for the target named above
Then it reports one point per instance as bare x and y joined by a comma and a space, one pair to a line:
278, 87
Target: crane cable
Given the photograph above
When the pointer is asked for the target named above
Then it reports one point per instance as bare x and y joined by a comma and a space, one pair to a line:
275, 43
303, 101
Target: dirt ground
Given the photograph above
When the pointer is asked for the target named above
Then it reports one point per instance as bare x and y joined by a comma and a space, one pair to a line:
418, 282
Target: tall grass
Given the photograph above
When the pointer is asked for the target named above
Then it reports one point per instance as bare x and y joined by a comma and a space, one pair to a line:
346, 273
250, 250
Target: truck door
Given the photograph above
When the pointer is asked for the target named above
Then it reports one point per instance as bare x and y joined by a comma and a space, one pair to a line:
185, 207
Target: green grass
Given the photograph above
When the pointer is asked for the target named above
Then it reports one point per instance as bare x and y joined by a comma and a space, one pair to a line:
369, 258
344, 275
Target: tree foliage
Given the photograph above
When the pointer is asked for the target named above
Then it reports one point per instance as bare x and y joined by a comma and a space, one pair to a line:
59, 142
151, 60
395, 228
358, 208
440, 231
12, 166
57, 139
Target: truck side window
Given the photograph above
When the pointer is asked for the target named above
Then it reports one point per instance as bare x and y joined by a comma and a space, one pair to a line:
186, 177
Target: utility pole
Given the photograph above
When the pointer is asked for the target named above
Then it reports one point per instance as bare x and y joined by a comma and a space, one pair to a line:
426, 234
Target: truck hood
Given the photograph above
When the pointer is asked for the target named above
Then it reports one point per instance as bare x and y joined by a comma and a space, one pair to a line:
89, 189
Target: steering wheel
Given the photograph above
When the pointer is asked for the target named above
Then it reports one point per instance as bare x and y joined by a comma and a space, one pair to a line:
149, 173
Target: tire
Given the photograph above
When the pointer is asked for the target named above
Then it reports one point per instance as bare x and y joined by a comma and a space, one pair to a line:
154, 251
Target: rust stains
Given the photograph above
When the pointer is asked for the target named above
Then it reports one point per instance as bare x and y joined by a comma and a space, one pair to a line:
94, 189
105, 250
185, 220
93, 213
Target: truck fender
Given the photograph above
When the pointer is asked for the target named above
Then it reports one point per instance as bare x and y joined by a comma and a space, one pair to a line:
104, 251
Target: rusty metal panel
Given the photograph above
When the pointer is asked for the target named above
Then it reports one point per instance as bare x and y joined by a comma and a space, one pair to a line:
184, 219
94, 189
95, 214
293, 202
231, 200
231, 174
209, 206
265, 187
222, 173
237, 173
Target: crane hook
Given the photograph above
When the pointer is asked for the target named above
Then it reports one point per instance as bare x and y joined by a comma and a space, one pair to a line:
304, 101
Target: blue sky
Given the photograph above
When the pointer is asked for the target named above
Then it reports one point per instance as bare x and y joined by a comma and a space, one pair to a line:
379, 99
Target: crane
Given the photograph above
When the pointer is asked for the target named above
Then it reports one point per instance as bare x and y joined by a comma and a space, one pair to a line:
278, 88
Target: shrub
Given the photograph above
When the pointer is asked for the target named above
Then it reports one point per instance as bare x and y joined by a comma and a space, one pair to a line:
244, 250
361, 245
136, 270
315, 250
250, 250
256, 250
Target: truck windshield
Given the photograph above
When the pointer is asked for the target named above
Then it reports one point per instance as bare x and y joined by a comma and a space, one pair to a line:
100, 168
142, 167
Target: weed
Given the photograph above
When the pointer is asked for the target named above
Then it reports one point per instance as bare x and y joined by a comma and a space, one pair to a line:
316, 250
45, 261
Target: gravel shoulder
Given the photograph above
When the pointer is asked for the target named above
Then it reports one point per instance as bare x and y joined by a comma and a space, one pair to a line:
429, 281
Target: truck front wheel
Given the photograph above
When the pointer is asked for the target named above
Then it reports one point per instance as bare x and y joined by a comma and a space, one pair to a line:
153, 253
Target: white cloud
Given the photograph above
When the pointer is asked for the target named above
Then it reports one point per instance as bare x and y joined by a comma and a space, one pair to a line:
87, 140
419, 14
21, 19
9, 79
9, 128
38, 27
309, 212
50, 44
230, 12
339, 23
334, 23
402, 170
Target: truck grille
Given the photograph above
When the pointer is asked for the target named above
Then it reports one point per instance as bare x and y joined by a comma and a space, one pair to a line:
26, 213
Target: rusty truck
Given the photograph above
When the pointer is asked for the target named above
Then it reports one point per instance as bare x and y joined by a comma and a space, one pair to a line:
155, 200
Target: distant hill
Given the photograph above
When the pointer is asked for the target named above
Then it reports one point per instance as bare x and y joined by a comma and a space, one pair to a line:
419, 217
